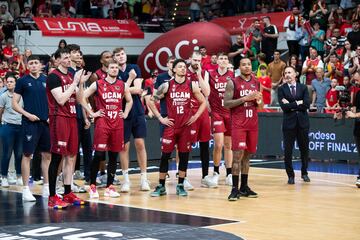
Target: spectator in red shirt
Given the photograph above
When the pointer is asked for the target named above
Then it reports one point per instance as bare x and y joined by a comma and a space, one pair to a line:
19, 58
7, 51
355, 88
124, 12
206, 59
149, 83
332, 98
3, 69
149, 87
212, 66
265, 85
15, 56
330, 29
44, 10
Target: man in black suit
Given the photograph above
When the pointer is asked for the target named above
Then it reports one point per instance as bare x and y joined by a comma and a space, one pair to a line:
294, 101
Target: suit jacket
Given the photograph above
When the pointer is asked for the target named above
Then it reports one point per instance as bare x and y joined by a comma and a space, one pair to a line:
294, 115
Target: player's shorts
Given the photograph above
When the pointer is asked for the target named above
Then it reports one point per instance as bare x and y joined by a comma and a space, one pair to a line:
63, 135
176, 136
200, 130
244, 140
135, 126
35, 135
221, 123
106, 139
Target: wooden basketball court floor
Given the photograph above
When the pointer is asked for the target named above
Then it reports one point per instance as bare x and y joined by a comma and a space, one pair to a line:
326, 208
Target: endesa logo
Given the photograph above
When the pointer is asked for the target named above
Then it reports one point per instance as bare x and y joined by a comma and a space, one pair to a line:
180, 42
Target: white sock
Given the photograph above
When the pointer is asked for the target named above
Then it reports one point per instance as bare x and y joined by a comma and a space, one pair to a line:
126, 175
143, 176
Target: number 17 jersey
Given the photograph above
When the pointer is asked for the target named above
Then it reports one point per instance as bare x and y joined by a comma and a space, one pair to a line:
109, 98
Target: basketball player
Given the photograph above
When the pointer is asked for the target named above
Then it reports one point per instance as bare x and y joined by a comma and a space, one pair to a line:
178, 93
84, 134
135, 123
61, 91
220, 117
109, 126
161, 78
101, 73
243, 96
201, 128
32, 89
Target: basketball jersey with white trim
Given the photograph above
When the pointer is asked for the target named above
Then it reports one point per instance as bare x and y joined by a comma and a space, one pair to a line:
100, 74
192, 76
245, 116
69, 108
178, 102
217, 84
109, 98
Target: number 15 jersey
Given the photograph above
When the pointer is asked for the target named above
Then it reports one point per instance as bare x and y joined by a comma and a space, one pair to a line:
108, 97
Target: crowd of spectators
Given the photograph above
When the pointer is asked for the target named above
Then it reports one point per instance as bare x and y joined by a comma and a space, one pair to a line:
141, 10
22, 11
323, 46
201, 10
323, 37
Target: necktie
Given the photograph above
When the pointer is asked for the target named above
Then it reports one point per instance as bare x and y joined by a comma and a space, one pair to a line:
293, 90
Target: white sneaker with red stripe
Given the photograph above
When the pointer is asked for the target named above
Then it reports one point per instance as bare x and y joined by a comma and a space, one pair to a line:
111, 192
93, 192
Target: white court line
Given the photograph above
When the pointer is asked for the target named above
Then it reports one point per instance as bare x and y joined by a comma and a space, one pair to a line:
327, 173
269, 162
312, 179
224, 224
167, 211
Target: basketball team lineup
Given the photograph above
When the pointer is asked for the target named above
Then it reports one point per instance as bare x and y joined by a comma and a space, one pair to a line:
191, 105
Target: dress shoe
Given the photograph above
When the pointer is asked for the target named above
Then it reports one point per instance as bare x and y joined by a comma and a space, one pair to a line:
305, 178
291, 180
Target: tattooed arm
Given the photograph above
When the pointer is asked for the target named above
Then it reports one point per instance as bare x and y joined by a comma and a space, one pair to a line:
159, 94
229, 102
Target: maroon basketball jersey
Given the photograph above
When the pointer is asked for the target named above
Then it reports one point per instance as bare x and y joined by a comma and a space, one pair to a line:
109, 98
100, 74
69, 108
217, 84
192, 76
178, 102
245, 116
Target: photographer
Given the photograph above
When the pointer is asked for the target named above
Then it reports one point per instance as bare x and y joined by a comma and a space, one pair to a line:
355, 114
